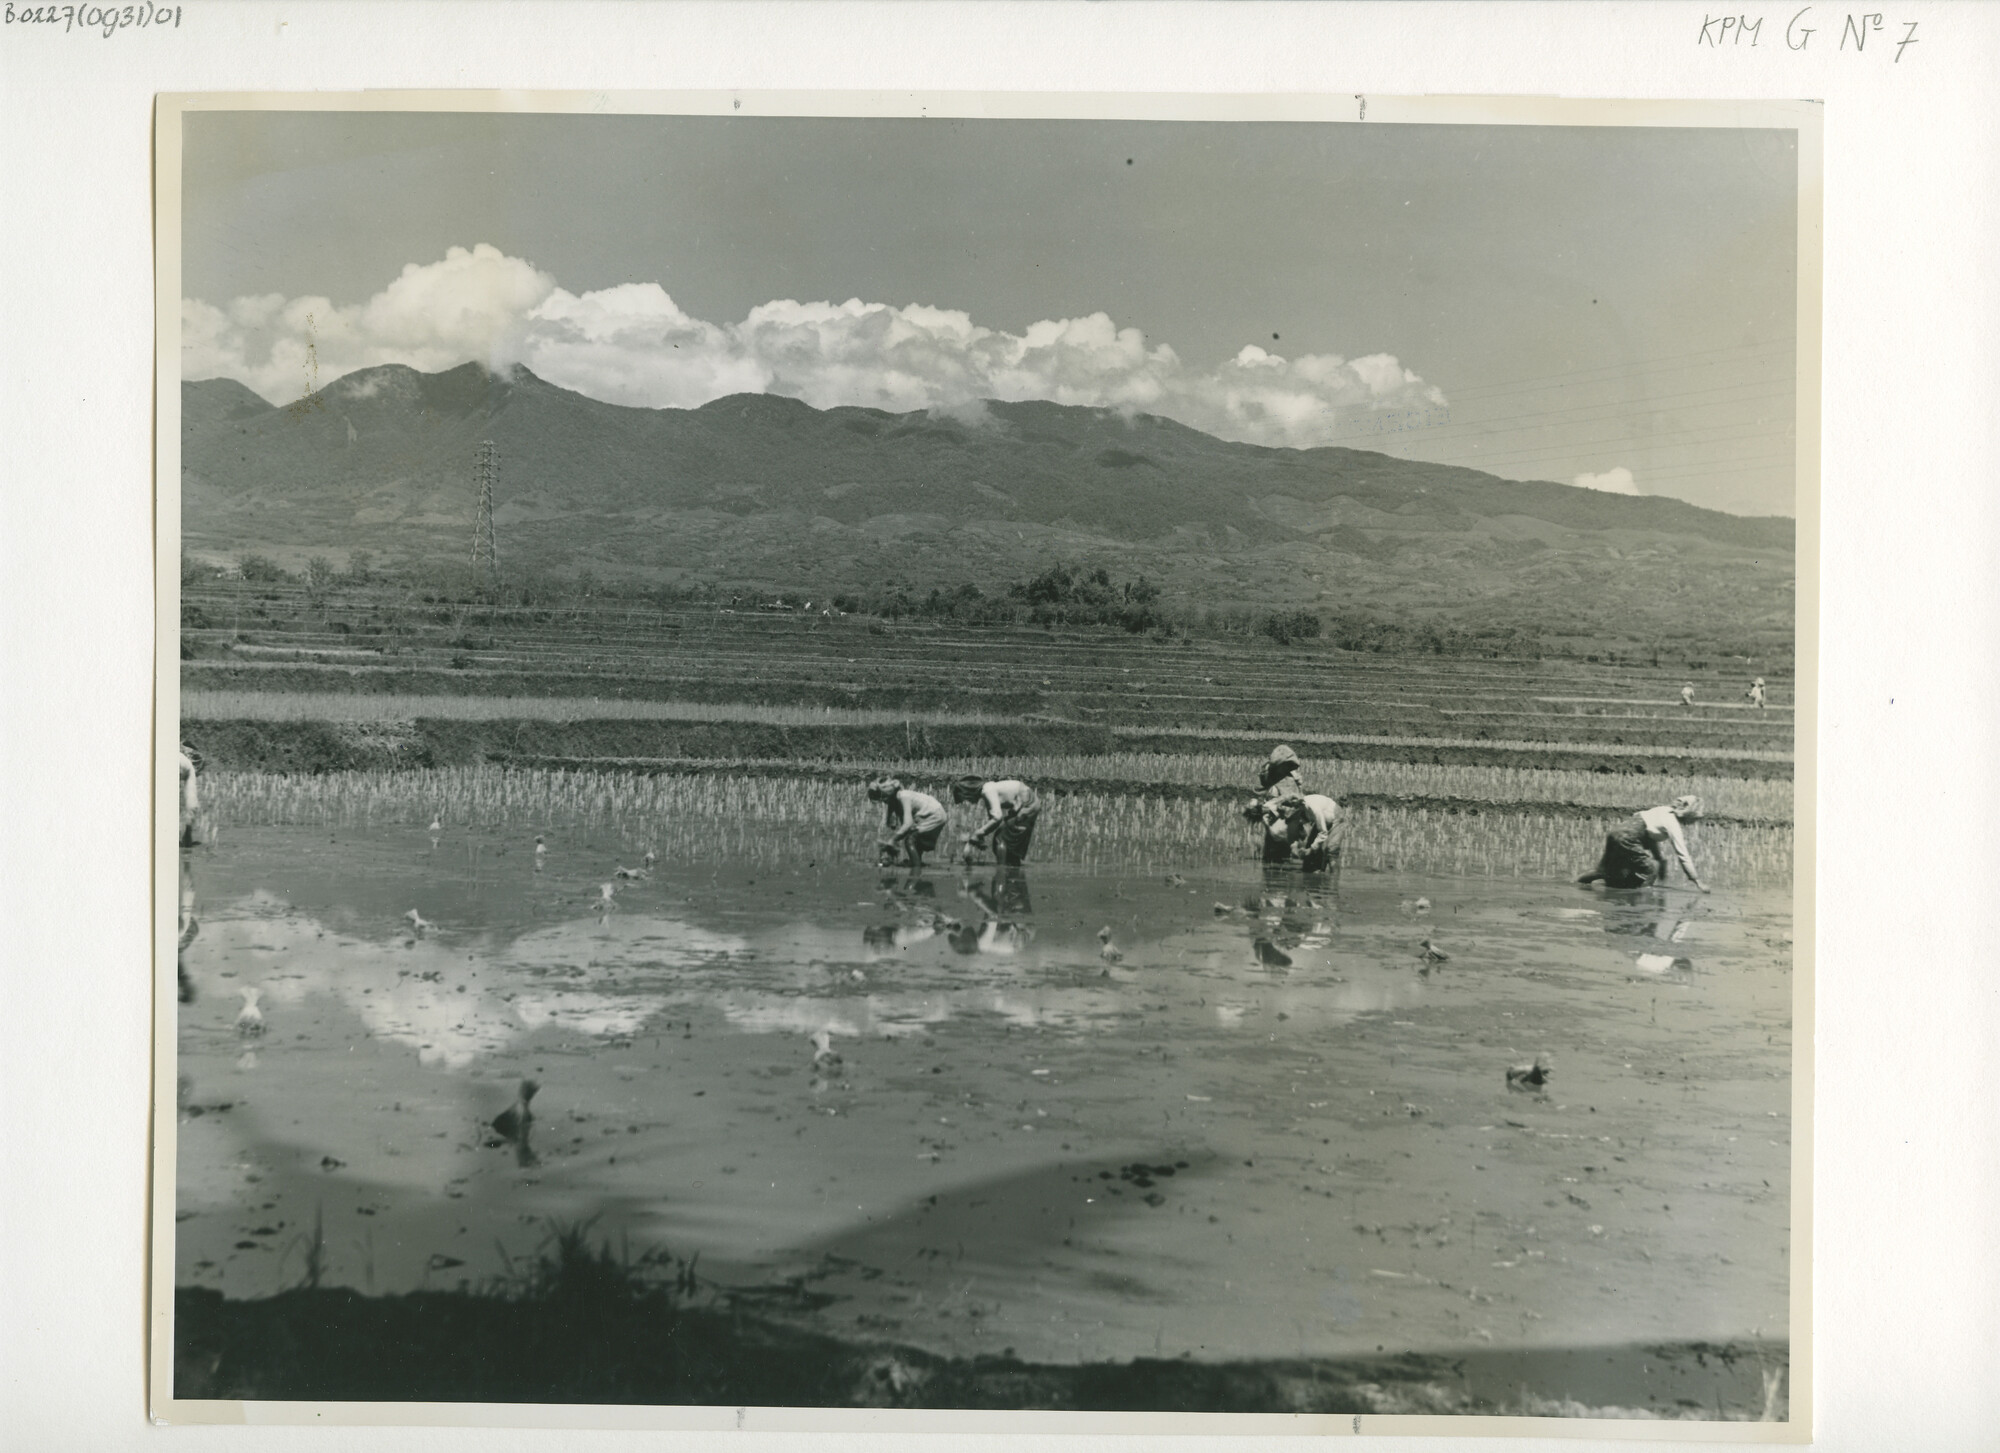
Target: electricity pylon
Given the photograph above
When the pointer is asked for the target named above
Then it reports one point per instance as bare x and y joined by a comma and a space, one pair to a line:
485, 547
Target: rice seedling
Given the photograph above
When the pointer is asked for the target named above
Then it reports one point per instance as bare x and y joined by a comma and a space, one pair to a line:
706, 815
1617, 749
1730, 797
1726, 796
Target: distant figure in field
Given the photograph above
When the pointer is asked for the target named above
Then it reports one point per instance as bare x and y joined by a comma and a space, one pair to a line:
1012, 810
914, 822
1279, 781
1634, 854
1687, 694
1315, 828
1755, 694
189, 799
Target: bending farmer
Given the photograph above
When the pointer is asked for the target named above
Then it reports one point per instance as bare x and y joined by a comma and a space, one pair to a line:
190, 800
1279, 781
914, 823
1012, 809
1315, 828
1634, 855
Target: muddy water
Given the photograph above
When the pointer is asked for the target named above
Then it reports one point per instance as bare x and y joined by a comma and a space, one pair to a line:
1255, 1122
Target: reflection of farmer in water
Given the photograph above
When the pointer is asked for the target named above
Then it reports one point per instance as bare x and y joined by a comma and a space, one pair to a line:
1011, 811
189, 927
188, 802
913, 825
1003, 895
891, 937
1634, 855
1651, 916
993, 936
1003, 901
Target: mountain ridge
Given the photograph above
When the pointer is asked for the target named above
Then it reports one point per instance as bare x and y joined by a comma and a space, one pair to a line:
772, 488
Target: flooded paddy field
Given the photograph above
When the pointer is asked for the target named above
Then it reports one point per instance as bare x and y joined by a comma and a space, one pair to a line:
1083, 1111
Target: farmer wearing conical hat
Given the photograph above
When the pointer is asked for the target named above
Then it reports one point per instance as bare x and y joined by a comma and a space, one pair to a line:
914, 823
1282, 775
1280, 780
1634, 853
1011, 810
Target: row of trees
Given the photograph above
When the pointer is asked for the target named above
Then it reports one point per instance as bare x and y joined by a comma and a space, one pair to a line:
1060, 595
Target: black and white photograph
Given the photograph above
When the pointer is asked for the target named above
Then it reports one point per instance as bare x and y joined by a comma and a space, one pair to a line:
988, 753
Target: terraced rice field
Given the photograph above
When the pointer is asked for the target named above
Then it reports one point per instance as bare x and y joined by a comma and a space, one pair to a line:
699, 655
1144, 1098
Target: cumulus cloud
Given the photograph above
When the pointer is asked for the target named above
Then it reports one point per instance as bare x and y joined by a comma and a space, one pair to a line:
1612, 481
632, 344
473, 306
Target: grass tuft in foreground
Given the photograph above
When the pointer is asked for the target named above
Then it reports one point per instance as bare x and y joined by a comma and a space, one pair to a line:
578, 1324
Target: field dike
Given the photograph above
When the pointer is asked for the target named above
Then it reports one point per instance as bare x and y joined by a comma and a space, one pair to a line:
318, 746
639, 744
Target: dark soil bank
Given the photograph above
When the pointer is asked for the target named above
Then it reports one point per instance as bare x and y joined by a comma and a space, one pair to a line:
1101, 694
313, 746
612, 1345
690, 686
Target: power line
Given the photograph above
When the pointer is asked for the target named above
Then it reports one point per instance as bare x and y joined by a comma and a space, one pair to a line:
1614, 372
1651, 404
1462, 435
1617, 443
1748, 466
1569, 448
1752, 466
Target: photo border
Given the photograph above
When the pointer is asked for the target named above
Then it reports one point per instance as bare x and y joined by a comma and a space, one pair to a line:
1804, 117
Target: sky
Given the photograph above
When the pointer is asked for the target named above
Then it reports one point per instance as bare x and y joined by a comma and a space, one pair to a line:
1608, 307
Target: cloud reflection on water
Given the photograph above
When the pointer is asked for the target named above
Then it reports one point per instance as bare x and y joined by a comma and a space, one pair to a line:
455, 998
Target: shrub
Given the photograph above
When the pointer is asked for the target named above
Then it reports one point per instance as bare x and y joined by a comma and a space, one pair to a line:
319, 579
1284, 627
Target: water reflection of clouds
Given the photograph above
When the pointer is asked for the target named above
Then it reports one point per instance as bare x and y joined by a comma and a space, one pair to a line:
455, 1000
451, 1004
894, 1015
1664, 966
